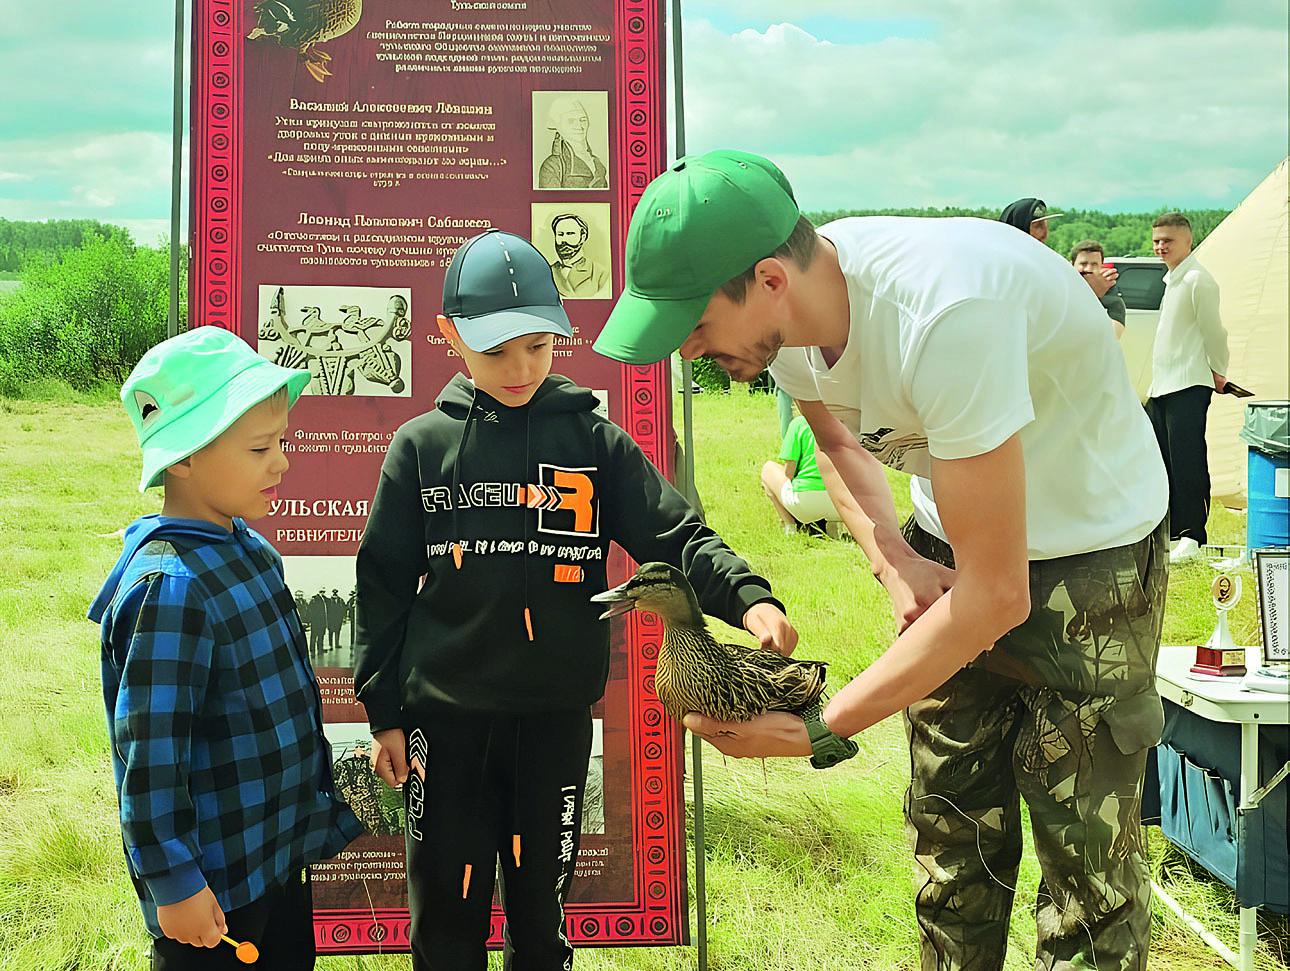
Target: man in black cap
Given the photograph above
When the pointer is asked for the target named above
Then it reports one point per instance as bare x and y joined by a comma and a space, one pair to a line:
1030, 216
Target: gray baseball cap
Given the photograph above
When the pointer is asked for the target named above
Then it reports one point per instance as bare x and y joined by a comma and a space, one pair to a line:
498, 286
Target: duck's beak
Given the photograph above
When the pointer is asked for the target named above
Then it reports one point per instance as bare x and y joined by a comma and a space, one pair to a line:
620, 599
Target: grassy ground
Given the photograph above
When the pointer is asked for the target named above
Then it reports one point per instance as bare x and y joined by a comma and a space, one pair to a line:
805, 869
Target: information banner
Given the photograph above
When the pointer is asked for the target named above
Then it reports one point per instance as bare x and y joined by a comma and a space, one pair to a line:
341, 151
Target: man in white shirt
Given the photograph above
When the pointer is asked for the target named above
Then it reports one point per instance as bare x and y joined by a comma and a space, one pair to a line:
1029, 587
1188, 363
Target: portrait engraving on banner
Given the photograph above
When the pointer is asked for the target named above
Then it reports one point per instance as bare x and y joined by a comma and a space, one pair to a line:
352, 340
574, 238
571, 139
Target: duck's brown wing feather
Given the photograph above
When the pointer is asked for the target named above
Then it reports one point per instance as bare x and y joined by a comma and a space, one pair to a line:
773, 682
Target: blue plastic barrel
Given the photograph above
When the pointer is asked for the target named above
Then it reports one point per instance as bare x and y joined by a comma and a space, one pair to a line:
1268, 523
1267, 431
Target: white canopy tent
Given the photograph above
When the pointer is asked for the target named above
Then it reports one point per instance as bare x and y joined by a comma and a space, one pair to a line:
1247, 253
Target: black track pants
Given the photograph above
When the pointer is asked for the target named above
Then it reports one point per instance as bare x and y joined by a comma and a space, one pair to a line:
280, 924
1179, 421
489, 777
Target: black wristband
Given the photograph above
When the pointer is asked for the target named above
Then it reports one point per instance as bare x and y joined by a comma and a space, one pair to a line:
827, 749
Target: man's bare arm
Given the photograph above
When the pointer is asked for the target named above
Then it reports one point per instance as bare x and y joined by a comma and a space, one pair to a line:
857, 484
982, 504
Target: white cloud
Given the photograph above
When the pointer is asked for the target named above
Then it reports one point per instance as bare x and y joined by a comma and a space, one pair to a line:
994, 107
122, 179
97, 171
863, 102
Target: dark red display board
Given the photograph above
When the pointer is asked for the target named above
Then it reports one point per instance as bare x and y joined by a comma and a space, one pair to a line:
341, 151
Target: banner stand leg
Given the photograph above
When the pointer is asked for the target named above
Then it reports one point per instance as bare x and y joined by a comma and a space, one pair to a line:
699, 861
690, 491
176, 160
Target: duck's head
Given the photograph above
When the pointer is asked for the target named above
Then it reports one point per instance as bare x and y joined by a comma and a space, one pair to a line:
273, 17
348, 309
658, 587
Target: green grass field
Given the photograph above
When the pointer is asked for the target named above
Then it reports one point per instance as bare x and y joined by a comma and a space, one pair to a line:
805, 869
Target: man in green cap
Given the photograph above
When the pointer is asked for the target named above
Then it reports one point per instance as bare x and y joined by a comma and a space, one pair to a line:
1028, 587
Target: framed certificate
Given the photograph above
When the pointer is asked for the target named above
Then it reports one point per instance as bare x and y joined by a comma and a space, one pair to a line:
1272, 576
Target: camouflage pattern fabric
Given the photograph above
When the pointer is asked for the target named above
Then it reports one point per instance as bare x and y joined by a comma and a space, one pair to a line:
1061, 712
378, 807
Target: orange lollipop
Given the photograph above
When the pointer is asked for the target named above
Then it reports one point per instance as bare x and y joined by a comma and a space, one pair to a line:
246, 952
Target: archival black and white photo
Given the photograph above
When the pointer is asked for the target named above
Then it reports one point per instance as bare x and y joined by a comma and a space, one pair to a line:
325, 594
593, 801
377, 806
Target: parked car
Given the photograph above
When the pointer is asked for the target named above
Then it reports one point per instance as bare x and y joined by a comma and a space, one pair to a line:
1142, 285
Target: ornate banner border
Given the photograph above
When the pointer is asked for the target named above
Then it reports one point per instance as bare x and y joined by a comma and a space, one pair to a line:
658, 911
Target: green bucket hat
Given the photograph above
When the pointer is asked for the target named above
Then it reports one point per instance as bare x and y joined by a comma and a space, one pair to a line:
187, 390
699, 224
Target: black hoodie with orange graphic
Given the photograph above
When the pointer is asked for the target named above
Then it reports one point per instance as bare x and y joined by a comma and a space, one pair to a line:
489, 533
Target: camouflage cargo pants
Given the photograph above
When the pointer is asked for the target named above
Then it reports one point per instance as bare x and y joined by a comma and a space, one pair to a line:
1061, 712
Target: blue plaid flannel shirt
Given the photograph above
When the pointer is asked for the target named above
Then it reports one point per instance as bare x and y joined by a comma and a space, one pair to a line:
223, 774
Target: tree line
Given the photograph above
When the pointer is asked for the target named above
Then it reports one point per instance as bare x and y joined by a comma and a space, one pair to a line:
1120, 233
90, 302
20, 240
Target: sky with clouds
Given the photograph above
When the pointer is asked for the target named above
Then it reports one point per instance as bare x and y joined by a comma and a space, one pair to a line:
1122, 106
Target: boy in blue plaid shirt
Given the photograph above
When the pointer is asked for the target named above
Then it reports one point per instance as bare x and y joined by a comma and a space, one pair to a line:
223, 774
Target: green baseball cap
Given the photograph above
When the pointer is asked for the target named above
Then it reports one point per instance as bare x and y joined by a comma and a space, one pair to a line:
187, 390
701, 223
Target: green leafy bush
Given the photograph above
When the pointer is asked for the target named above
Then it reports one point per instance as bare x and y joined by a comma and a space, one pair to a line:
709, 376
84, 316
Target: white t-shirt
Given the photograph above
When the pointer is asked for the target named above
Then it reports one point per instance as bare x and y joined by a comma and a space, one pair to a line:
966, 331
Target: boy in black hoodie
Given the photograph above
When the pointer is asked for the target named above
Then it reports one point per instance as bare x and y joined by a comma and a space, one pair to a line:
479, 651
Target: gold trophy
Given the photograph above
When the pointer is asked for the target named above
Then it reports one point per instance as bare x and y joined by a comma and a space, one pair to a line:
1220, 656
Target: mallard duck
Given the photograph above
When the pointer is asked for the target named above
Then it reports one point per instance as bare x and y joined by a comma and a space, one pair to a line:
695, 672
303, 24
